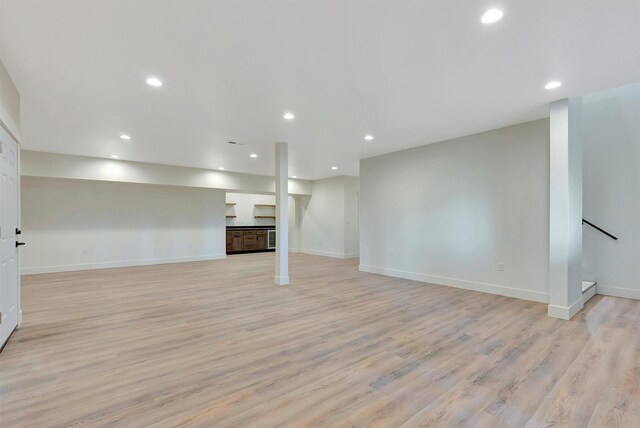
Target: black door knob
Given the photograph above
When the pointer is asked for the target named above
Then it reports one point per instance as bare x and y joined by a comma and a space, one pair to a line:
18, 231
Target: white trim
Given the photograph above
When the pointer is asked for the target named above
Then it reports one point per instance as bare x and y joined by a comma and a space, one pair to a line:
351, 255
281, 280
627, 293
122, 263
9, 125
501, 290
588, 285
333, 254
19, 157
588, 293
565, 313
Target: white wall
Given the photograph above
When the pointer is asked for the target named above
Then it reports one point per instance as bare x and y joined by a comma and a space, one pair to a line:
245, 209
323, 219
351, 216
450, 213
329, 218
294, 223
72, 225
610, 125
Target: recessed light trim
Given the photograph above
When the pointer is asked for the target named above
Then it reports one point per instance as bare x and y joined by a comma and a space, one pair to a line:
125, 137
368, 137
289, 116
553, 85
334, 168
253, 155
115, 157
491, 16
294, 176
221, 168
154, 81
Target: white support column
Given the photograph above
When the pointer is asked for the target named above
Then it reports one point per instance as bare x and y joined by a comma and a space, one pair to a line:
565, 210
282, 214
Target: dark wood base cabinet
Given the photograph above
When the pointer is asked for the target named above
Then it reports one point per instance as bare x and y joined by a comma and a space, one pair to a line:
249, 240
234, 241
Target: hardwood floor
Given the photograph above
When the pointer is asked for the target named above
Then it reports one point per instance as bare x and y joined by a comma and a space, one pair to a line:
216, 344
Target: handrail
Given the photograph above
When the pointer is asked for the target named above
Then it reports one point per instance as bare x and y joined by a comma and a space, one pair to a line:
599, 229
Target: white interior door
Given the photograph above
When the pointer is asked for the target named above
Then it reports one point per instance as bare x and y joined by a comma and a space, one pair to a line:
9, 278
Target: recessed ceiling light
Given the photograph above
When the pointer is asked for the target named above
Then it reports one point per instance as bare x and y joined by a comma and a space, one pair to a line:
115, 157
289, 116
125, 137
154, 81
334, 168
294, 176
253, 155
368, 137
221, 168
552, 85
491, 16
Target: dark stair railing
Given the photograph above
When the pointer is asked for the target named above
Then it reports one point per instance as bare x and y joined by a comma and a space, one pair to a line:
599, 229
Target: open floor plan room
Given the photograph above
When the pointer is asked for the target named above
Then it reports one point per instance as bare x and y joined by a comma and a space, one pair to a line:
209, 344
380, 213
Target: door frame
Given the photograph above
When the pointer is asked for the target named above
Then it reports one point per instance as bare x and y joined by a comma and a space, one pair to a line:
19, 222
19, 226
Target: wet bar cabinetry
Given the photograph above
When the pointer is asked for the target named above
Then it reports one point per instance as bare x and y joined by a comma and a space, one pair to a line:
247, 239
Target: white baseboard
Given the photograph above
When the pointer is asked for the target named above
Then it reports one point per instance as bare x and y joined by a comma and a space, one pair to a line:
627, 293
115, 264
335, 255
281, 280
587, 295
500, 290
565, 313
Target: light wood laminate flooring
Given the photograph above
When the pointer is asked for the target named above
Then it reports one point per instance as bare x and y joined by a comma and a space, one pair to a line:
217, 344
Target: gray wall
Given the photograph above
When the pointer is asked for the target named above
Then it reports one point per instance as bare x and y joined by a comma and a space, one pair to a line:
450, 213
329, 218
610, 125
75, 225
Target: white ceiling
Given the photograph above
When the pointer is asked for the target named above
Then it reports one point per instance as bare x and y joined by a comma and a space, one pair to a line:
408, 72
